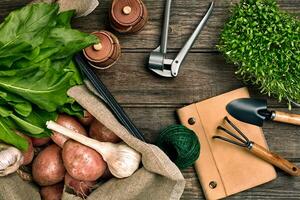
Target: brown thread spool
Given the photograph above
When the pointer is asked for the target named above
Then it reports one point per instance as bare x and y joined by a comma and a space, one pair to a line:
104, 54
128, 16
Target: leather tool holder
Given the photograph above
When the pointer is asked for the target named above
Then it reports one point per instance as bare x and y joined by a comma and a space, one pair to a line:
224, 169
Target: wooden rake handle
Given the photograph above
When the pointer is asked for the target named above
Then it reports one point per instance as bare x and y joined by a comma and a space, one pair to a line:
286, 118
275, 159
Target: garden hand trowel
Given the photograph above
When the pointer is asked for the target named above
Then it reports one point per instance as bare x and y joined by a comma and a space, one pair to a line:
254, 111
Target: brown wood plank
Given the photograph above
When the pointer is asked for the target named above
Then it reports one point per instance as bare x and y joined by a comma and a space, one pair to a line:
284, 187
202, 75
185, 15
151, 101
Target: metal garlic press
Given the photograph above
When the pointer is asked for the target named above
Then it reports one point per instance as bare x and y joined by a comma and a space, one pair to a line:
158, 62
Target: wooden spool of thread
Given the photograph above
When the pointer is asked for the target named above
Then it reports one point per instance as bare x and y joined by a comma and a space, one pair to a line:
128, 16
104, 54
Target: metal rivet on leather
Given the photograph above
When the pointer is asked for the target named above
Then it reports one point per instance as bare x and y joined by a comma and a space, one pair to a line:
192, 121
213, 184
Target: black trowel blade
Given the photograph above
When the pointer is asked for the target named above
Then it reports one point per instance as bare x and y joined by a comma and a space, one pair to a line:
247, 110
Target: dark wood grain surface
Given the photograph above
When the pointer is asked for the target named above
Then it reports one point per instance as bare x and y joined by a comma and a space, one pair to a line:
151, 101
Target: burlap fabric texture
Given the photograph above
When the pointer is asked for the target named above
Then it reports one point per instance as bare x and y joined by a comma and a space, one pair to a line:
157, 179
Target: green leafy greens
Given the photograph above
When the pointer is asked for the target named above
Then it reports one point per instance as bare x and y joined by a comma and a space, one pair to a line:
264, 42
36, 70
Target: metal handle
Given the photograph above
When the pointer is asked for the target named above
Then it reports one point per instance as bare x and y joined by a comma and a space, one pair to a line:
165, 30
187, 46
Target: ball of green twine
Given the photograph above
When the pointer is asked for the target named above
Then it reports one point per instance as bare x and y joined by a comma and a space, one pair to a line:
180, 144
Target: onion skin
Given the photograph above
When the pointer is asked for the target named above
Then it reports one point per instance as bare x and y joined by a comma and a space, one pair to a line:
87, 118
37, 142
27, 155
52, 192
47, 167
82, 162
80, 188
99, 132
70, 123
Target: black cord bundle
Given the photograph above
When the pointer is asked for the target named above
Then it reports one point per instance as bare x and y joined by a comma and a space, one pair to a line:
107, 97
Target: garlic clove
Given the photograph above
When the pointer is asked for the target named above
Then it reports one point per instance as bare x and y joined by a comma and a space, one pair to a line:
10, 159
124, 162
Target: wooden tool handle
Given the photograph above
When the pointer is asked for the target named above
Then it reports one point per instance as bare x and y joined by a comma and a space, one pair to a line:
275, 159
287, 118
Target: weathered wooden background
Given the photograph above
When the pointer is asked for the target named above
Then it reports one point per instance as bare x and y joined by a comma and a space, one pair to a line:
151, 101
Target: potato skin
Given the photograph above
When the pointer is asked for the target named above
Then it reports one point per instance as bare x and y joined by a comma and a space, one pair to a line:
70, 123
80, 188
37, 142
87, 118
52, 192
28, 155
47, 167
82, 162
99, 132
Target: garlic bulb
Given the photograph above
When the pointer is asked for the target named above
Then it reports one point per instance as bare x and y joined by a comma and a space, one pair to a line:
121, 159
10, 159
124, 162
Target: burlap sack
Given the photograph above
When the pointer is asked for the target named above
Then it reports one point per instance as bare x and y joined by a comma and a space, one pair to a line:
157, 179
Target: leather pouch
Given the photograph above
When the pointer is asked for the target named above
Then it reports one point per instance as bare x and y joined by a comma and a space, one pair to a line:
224, 169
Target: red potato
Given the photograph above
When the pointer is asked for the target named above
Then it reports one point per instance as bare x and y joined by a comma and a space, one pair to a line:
47, 167
99, 132
52, 192
37, 142
80, 188
87, 118
82, 162
28, 155
70, 123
